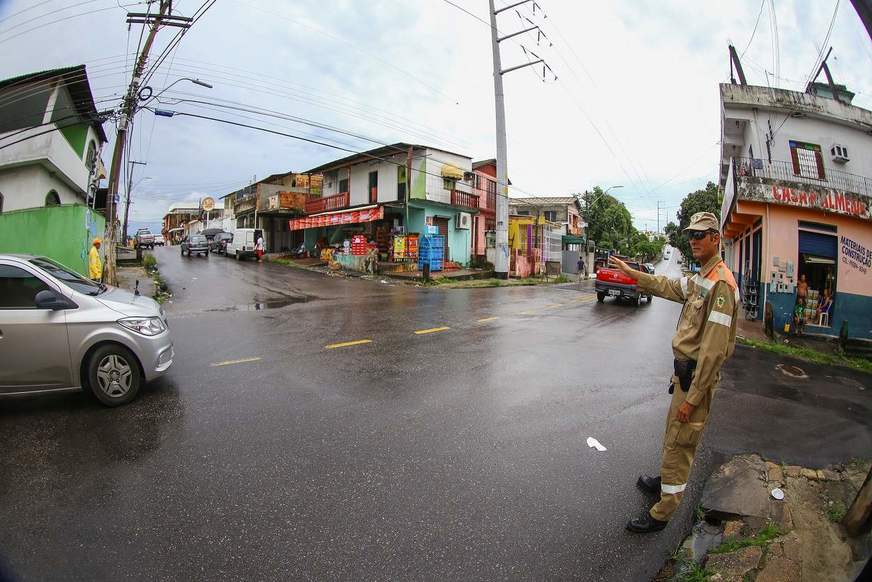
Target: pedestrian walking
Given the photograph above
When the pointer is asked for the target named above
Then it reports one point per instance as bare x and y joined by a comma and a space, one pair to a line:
95, 263
582, 269
704, 339
259, 249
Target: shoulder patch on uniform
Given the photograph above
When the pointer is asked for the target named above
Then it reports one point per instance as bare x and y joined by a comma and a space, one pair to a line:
720, 301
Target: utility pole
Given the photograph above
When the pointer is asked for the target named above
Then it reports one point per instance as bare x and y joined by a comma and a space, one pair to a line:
501, 261
658, 217
129, 188
864, 11
128, 110
408, 192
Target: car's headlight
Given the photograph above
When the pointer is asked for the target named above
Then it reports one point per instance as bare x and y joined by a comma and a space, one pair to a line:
144, 325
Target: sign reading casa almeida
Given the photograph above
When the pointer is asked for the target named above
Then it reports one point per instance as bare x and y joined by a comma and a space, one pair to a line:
825, 199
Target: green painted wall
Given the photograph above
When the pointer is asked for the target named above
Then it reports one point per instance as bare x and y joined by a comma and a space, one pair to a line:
63, 233
76, 135
419, 181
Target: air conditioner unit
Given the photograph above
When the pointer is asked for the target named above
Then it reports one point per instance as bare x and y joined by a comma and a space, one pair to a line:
839, 153
463, 221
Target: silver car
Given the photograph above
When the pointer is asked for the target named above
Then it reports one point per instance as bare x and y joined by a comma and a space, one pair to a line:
60, 332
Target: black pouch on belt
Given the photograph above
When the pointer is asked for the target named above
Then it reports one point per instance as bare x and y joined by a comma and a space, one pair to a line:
684, 371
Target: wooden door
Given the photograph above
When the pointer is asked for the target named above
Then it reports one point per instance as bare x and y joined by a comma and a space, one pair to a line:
442, 225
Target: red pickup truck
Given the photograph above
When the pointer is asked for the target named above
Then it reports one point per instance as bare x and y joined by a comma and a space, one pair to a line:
614, 283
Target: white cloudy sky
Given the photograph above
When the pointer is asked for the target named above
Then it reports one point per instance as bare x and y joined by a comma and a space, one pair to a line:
635, 104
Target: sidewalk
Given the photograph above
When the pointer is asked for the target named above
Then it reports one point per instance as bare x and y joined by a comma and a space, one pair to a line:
817, 418
127, 277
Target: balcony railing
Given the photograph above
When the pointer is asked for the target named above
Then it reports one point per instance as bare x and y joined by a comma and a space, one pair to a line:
785, 171
466, 199
327, 203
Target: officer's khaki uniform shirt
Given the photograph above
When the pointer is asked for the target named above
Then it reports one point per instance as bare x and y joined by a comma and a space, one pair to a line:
706, 330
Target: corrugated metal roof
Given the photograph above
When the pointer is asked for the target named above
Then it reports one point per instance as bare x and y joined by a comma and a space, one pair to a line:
375, 154
543, 200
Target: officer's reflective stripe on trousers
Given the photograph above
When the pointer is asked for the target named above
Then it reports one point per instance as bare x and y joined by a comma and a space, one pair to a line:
721, 318
672, 489
684, 286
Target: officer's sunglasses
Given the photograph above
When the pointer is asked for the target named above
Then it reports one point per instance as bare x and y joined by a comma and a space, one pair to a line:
700, 234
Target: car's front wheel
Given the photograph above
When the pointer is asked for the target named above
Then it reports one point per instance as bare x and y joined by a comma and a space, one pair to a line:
114, 376
600, 296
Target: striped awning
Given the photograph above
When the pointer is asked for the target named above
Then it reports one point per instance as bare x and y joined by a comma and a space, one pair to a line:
338, 218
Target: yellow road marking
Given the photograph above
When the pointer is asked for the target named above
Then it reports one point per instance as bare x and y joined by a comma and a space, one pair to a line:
231, 362
485, 319
348, 344
528, 313
431, 330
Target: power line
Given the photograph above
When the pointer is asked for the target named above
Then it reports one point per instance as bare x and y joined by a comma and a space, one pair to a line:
817, 64
753, 32
302, 138
40, 16
357, 48
23, 10
67, 18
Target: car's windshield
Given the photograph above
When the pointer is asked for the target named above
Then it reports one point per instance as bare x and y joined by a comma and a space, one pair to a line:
68, 277
198, 239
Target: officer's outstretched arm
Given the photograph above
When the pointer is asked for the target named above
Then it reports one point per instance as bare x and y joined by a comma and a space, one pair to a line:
661, 286
717, 339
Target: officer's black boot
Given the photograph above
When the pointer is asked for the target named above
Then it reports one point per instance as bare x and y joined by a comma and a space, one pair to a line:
645, 524
649, 484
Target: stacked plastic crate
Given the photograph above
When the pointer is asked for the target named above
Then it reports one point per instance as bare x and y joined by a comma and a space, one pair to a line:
358, 245
430, 251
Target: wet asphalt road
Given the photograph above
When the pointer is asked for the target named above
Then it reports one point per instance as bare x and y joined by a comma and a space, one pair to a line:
263, 455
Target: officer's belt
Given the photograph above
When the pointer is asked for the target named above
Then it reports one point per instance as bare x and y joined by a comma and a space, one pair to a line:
684, 370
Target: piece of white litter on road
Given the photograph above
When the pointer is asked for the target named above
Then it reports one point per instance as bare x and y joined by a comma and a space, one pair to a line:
777, 494
595, 444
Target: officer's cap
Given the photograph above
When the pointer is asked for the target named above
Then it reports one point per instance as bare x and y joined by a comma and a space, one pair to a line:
704, 221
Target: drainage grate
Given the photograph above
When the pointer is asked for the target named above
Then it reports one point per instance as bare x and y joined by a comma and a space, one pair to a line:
792, 371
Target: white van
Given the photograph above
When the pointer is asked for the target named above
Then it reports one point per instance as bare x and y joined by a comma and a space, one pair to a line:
243, 242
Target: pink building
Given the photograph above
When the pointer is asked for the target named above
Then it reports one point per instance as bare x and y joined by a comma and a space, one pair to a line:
798, 205
484, 185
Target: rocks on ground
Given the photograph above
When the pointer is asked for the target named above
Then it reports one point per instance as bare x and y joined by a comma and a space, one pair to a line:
748, 534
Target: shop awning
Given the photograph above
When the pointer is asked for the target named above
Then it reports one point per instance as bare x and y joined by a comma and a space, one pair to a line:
452, 172
338, 218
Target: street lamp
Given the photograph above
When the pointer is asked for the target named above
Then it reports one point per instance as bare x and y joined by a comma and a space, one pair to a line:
151, 96
610, 188
130, 188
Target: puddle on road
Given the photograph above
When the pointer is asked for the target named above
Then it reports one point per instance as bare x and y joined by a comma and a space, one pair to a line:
264, 305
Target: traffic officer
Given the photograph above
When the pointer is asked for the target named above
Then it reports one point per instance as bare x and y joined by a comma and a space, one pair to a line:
704, 339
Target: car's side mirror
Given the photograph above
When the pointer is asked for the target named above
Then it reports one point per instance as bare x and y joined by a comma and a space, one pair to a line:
48, 299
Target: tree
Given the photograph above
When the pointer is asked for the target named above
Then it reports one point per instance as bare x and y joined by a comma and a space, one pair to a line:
705, 200
609, 223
